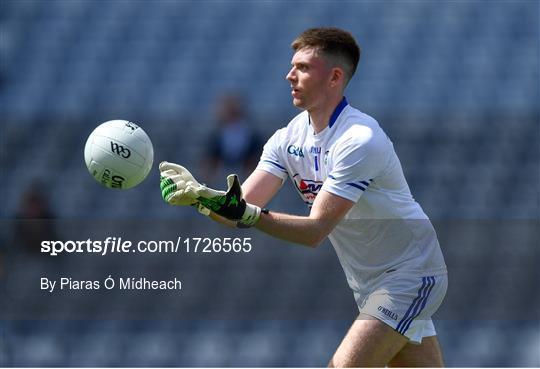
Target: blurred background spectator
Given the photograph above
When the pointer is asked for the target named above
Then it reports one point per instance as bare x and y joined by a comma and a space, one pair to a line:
234, 145
35, 219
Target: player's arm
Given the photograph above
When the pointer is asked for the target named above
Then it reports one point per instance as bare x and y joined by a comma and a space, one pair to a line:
178, 187
258, 189
326, 212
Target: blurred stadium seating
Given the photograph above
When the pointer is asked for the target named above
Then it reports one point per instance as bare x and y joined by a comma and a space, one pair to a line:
454, 84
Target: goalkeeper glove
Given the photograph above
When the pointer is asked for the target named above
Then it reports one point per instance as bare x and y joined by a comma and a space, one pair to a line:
179, 187
174, 179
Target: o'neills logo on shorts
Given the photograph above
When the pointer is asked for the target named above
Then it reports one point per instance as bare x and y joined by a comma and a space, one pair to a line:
388, 313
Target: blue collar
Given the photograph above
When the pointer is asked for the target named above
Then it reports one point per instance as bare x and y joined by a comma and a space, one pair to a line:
336, 113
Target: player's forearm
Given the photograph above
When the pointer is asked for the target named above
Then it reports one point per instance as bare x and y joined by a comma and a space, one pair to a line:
303, 230
221, 220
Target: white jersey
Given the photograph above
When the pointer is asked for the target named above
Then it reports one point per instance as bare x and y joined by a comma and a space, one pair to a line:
386, 230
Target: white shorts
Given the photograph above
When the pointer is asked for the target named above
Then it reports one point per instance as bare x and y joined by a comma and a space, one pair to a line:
405, 303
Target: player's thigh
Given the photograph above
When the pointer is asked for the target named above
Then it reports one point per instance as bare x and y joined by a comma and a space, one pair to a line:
426, 354
369, 342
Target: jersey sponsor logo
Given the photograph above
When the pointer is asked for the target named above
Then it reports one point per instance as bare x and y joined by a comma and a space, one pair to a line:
295, 151
307, 188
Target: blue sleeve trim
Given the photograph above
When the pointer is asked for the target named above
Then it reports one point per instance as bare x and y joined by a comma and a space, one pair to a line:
277, 165
357, 186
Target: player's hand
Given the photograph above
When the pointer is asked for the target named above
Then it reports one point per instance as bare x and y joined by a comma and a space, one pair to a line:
174, 180
229, 204
179, 187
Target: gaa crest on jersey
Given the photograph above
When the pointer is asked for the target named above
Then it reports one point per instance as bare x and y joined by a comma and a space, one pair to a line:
307, 188
295, 151
325, 157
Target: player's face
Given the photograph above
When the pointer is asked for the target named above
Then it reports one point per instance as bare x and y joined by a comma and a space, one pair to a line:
309, 77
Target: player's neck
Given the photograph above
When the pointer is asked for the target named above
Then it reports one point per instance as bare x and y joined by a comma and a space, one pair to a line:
320, 116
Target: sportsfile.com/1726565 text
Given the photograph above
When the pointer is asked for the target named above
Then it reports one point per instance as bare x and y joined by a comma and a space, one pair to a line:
116, 245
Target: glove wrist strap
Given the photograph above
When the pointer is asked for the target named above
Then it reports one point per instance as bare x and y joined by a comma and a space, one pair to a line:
251, 215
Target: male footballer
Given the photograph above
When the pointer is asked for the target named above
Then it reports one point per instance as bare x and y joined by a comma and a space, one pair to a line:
345, 168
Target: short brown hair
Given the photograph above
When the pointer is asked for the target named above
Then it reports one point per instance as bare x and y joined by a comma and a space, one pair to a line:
333, 42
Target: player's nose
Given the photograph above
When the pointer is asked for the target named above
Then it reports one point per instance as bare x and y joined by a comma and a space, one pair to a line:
290, 75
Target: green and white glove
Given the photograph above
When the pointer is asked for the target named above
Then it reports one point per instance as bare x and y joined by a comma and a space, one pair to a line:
179, 187
174, 180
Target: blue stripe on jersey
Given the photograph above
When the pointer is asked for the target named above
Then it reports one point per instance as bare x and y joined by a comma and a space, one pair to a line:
338, 111
356, 186
431, 284
276, 164
316, 164
365, 183
331, 176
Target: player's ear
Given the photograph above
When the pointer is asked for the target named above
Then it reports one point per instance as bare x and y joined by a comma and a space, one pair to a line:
336, 76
